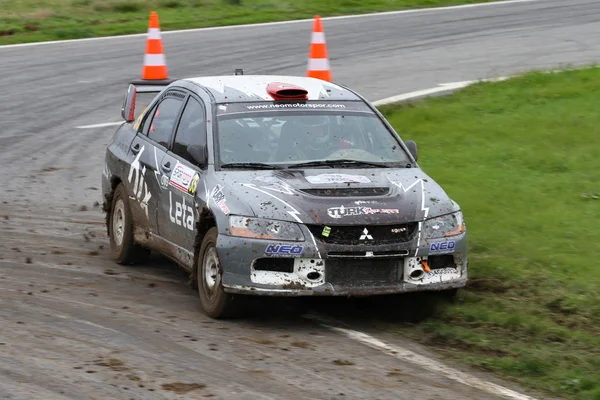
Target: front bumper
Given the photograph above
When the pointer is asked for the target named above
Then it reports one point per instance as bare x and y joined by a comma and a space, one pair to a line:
312, 268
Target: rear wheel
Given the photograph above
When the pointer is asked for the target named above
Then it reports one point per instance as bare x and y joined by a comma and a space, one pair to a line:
215, 302
123, 248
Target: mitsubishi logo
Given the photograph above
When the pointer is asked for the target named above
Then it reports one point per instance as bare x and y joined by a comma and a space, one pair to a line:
366, 235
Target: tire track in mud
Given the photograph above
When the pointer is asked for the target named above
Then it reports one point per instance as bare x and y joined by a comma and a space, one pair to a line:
85, 331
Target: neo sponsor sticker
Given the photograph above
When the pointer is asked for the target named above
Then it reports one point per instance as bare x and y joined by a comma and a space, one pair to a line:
442, 247
284, 250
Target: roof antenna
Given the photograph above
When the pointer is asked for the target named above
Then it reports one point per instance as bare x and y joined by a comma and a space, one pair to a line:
239, 71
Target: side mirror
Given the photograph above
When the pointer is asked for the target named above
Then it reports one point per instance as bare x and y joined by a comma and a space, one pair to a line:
197, 155
412, 147
128, 109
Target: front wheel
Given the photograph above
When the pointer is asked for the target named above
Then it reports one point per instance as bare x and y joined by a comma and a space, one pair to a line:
215, 302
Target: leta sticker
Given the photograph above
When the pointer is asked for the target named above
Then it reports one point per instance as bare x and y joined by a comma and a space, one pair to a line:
337, 178
181, 214
182, 176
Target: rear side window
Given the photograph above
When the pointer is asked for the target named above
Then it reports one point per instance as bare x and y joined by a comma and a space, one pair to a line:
163, 120
191, 131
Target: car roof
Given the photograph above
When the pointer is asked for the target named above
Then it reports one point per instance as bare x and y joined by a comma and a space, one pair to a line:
251, 88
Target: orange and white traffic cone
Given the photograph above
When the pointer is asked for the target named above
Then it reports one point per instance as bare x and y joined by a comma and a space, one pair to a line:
155, 66
318, 60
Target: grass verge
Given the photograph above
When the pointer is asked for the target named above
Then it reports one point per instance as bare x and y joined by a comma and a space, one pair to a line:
24, 21
522, 158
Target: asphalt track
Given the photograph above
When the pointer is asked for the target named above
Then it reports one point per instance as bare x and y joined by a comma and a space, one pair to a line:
77, 326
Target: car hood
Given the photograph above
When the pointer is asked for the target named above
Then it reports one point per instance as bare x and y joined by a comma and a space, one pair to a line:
333, 196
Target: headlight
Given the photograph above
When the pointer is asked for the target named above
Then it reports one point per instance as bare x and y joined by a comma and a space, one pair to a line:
444, 226
259, 228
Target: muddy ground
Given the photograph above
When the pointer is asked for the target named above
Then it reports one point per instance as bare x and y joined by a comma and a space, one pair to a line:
76, 325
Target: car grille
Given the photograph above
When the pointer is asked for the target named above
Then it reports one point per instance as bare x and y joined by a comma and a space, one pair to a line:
348, 192
351, 234
363, 272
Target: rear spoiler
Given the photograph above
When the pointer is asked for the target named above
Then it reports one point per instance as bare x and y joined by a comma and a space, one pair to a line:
141, 86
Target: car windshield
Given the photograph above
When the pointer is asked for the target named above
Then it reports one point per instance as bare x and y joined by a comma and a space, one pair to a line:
305, 138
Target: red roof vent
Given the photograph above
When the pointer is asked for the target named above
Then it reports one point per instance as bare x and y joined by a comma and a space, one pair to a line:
286, 91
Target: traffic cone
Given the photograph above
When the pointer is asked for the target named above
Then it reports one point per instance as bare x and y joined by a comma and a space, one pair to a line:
318, 61
155, 67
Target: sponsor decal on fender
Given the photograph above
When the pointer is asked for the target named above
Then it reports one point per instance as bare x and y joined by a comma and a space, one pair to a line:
183, 215
276, 250
337, 178
219, 199
194, 184
182, 177
341, 211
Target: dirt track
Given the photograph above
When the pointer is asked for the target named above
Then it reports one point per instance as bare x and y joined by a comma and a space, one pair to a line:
76, 325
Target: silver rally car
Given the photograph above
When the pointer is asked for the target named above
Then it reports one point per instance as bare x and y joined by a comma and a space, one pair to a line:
277, 185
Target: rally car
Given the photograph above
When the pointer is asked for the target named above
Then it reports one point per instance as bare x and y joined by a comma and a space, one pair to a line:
277, 185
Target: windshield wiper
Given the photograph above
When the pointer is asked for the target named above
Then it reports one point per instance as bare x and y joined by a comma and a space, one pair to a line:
250, 165
338, 163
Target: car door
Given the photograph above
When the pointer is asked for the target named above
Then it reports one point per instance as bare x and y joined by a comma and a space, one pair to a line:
179, 213
146, 176
140, 183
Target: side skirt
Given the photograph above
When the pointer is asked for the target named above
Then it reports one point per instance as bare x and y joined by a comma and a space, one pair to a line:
156, 243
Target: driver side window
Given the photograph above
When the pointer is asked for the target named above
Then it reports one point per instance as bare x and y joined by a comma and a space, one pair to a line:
191, 131
163, 121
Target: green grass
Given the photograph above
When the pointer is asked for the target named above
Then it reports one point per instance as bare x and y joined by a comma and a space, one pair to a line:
522, 158
41, 20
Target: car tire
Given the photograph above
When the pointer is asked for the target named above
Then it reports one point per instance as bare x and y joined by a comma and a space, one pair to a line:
215, 302
123, 248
